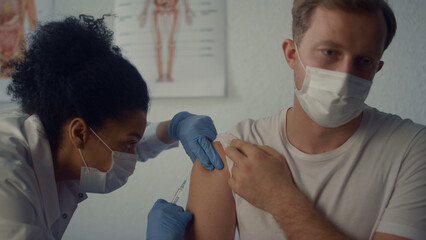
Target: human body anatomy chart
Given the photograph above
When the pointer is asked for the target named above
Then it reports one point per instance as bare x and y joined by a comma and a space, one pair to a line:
18, 17
13, 14
177, 45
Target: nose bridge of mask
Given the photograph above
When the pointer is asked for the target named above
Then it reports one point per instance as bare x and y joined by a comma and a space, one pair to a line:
101, 139
328, 80
339, 82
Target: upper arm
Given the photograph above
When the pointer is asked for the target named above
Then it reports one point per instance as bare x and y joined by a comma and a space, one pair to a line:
211, 202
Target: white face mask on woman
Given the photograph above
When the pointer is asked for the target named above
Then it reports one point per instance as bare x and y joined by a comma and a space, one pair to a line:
331, 98
94, 181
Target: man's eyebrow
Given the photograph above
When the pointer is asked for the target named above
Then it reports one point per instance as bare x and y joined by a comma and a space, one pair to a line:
328, 42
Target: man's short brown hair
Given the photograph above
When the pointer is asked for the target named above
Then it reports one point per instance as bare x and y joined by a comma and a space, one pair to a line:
302, 11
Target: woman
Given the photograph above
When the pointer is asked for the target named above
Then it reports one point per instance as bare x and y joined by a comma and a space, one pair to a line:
83, 114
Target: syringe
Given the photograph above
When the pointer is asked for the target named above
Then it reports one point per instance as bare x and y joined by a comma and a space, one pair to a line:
179, 192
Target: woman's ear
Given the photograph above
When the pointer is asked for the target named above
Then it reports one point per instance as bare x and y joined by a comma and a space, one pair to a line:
289, 52
78, 132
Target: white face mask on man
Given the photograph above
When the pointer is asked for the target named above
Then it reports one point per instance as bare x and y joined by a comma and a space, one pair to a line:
94, 181
331, 98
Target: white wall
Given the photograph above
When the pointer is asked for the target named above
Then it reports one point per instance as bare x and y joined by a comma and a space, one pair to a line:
259, 84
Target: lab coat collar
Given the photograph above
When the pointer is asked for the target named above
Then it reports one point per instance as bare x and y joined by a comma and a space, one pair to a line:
41, 157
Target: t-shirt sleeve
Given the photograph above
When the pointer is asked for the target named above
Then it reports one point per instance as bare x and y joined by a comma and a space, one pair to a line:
150, 146
405, 214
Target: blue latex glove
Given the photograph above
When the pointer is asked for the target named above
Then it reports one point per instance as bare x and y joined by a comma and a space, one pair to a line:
196, 133
166, 221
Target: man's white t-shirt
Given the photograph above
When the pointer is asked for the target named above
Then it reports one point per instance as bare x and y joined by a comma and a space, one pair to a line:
374, 182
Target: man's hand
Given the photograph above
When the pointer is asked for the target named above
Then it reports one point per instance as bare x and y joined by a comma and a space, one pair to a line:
166, 221
196, 134
260, 175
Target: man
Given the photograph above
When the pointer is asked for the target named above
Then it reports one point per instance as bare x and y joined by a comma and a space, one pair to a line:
334, 168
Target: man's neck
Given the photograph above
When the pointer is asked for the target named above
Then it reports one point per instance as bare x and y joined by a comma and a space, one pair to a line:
309, 137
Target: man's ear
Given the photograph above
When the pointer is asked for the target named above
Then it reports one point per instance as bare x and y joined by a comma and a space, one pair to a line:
78, 132
380, 66
289, 52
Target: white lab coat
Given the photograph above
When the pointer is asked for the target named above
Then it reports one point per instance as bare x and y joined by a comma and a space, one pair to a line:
32, 204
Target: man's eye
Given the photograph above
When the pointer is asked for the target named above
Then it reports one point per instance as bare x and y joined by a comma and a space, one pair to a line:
367, 61
328, 52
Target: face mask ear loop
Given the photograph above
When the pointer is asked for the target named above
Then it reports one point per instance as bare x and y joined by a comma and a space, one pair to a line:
298, 56
82, 157
100, 139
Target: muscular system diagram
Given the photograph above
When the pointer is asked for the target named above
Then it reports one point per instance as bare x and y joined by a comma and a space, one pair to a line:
167, 13
12, 34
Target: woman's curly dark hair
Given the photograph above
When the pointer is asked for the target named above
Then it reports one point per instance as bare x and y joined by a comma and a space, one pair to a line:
72, 69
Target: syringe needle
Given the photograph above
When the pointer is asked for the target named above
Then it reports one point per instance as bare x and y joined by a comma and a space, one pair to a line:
179, 192
177, 195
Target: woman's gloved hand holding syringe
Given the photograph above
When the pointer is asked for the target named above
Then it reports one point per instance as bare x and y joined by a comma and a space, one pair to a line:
167, 220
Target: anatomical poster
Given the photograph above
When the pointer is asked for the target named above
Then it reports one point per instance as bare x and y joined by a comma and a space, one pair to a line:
17, 18
177, 45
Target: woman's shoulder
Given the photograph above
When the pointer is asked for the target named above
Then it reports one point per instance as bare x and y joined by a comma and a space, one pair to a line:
14, 148
12, 119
